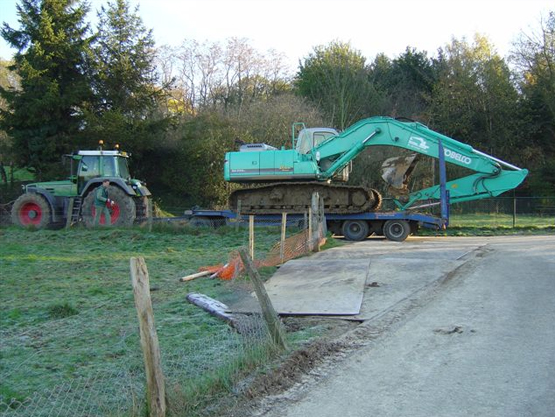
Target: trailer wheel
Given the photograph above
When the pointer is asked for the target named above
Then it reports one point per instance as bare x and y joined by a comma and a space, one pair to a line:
31, 209
355, 230
396, 230
123, 213
201, 222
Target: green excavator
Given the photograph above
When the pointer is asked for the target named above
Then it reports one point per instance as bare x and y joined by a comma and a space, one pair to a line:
321, 157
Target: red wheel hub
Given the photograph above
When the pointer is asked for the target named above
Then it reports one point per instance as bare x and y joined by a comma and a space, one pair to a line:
30, 213
114, 212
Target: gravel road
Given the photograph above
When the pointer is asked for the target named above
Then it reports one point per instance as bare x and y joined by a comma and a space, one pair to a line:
483, 345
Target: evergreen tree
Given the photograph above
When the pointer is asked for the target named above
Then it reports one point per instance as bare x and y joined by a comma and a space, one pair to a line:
124, 81
126, 110
43, 115
409, 84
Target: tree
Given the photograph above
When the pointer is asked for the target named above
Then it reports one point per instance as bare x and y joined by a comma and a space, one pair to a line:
43, 115
407, 83
211, 77
534, 56
475, 99
126, 109
335, 79
124, 53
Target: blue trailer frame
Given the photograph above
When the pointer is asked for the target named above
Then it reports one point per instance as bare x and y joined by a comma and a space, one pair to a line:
394, 225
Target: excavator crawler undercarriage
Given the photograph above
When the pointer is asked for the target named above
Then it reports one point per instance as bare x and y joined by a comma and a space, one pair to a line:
297, 197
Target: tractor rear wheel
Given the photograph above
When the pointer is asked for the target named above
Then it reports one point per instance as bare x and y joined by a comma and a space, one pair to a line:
123, 212
31, 209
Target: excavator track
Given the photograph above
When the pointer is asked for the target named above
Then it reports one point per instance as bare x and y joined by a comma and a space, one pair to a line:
297, 197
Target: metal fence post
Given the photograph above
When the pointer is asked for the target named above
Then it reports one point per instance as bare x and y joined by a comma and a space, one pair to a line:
514, 210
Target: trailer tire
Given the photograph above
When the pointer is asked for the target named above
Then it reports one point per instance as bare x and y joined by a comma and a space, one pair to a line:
396, 230
355, 230
201, 222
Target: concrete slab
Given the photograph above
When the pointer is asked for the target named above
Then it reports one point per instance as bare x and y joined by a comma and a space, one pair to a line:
397, 279
333, 282
315, 287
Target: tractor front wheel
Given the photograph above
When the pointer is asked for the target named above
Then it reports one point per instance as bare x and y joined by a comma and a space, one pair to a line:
31, 209
123, 212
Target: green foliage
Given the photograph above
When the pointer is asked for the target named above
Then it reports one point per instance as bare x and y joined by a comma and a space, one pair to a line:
60, 311
125, 83
193, 154
124, 78
474, 99
406, 83
42, 115
195, 168
335, 79
534, 57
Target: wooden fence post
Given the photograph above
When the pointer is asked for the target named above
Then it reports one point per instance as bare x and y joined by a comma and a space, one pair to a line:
322, 225
317, 211
309, 234
282, 242
156, 392
251, 236
238, 218
270, 316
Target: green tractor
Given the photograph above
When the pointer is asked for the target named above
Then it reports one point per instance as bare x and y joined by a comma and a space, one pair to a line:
55, 204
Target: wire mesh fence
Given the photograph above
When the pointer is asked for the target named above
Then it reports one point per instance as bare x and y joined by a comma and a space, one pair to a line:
90, 363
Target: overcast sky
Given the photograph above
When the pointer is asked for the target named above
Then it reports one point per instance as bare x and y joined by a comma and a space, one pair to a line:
295, 27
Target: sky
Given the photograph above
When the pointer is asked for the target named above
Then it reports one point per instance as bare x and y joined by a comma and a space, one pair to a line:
295, 27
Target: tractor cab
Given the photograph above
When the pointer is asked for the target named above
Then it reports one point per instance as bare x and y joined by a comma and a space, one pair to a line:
99, 163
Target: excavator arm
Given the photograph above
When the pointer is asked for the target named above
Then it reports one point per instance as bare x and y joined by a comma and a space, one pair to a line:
491, 178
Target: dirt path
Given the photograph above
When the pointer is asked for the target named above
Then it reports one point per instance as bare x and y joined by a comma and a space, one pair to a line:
478, 341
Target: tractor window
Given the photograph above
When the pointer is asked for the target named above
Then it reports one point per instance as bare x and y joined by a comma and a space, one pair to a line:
109, 167
123, 168
89, 166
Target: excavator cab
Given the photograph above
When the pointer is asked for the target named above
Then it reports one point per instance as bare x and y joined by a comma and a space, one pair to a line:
309, 138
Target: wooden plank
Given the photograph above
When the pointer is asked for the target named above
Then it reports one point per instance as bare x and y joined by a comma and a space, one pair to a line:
213, 307
195, 276
156, 392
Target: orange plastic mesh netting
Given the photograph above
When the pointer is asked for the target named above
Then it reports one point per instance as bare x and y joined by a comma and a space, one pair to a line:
293, 247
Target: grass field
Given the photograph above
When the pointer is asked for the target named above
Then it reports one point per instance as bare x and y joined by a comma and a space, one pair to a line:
67, 304
501, 220
67, 308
